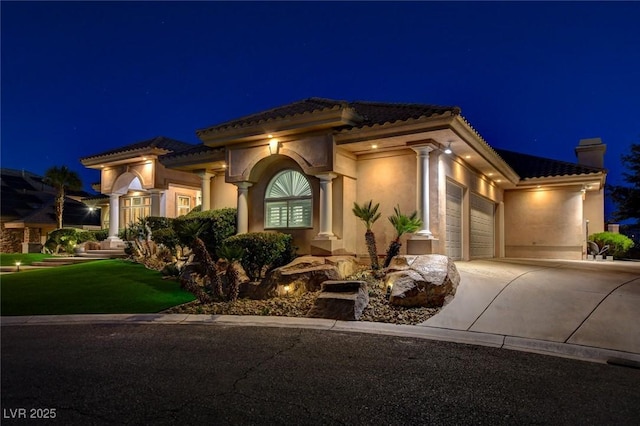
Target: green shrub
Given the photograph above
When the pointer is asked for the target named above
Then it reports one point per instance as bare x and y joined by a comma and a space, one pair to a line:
263, 251
167, 237
84, 236
65, 238
217, 225
158, 222
101, 234
618, 244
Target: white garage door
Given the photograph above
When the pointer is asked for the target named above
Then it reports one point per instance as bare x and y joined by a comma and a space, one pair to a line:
481, 227
453, 243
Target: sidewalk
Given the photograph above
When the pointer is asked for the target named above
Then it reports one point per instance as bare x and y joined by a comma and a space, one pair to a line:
579, 310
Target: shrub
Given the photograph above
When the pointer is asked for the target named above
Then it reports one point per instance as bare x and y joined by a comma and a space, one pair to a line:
65, 238
101, 234
157, 222
263, 251
217, 225
167, 237
618, 244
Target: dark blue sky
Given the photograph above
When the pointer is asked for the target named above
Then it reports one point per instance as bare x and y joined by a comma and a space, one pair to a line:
79, 78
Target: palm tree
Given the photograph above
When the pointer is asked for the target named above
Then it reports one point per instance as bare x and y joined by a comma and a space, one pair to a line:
369, 214
233, 255
62, 179
192, 231
403, 224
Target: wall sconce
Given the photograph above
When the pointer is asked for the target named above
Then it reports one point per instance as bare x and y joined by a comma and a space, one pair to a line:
447, 150
274, 146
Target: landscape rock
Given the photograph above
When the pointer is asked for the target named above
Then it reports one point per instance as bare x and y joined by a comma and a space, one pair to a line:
422, 280
341, 300
304, 274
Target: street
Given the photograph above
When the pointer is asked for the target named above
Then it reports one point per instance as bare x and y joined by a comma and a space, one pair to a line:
204, 374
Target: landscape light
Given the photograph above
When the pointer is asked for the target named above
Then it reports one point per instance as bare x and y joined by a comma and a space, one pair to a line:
18, 266
286, 290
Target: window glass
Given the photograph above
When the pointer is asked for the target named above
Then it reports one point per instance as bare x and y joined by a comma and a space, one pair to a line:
288, 202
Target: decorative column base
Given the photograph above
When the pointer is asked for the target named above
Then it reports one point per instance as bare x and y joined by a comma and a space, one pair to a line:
326, 246
112, 243
417, 244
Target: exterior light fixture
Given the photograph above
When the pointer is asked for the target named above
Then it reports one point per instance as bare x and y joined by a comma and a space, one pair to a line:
18, 266
287, 288
274, 145
389, 291
447, 150
374, 146
467, 157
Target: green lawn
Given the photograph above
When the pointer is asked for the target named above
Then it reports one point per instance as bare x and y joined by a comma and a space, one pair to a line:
105, 286
10, 259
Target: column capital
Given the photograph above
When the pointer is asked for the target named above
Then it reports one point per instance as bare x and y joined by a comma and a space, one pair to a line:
243, 185
205, 174
326, 177
423, 149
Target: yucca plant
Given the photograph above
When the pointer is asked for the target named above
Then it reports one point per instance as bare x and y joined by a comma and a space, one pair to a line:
368, 213
191, 231
233, 255
403, 224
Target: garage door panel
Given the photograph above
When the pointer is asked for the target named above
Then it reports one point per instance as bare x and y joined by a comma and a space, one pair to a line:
481, 227
453, 243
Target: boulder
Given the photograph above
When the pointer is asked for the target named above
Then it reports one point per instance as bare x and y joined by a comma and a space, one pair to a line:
423, 280
340, 300
303, 274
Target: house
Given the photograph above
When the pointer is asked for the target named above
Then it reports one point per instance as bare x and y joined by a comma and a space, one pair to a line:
28, 211
299, 168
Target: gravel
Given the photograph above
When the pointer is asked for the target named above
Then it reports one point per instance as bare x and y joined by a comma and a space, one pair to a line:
378, 309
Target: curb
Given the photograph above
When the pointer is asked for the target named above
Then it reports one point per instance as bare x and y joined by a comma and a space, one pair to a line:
544, 347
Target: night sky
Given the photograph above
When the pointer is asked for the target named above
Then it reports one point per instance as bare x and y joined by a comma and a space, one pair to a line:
80, 78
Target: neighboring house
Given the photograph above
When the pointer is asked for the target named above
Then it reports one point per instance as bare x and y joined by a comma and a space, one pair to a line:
300, 167
28, 211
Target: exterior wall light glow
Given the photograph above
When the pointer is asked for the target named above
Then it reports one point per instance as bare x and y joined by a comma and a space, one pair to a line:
274, 146
447, 150
374, 146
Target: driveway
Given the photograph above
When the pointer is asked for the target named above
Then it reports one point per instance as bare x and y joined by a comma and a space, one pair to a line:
590, 304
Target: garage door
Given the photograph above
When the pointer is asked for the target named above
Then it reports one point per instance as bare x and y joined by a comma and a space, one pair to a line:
481, 227
453, 243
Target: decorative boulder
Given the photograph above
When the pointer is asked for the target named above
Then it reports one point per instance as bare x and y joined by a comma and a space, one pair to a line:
424, 280
340, 300
305, 273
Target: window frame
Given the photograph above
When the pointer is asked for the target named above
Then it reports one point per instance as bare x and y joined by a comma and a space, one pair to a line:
288, 203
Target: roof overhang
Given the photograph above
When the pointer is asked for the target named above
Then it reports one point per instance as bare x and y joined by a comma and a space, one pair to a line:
588, 182
123, 157
338, 116
447, 130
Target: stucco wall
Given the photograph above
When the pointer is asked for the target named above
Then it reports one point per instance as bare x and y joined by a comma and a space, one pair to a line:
594, 211
171, 198
388, 178
223, 194
544, 223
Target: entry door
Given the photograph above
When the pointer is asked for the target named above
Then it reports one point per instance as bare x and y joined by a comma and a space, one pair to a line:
481, 227
453, 243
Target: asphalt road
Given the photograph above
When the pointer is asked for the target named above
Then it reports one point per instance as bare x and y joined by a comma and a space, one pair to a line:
204, 374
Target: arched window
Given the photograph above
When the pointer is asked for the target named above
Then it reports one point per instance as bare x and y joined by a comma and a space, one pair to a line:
288, 201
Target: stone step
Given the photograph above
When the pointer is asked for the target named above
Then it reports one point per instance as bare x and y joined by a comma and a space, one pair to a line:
340, 300
103, 254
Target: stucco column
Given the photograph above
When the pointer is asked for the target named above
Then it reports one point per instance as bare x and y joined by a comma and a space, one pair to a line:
157, 203
243, 207
326, 205
205, 188
114, 215
422, 188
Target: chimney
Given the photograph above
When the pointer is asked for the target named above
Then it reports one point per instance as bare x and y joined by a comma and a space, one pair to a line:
590, 152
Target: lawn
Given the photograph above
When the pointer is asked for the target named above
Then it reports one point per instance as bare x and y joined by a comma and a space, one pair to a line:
10, 259
105, 286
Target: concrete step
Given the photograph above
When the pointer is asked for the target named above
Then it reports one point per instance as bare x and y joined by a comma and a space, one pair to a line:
103, 254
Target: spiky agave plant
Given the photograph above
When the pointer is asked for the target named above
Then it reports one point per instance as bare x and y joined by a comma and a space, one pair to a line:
368, 213
232, 254
403, 224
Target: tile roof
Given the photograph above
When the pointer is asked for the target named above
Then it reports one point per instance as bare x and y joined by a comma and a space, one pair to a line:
371, 112
161, 142
212, 154
531, 166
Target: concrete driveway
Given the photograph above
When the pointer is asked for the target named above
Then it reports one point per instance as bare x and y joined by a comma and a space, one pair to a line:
584, 303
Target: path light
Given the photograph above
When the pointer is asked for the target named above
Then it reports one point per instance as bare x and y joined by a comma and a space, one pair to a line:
286, 290
389, 290
18, 266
